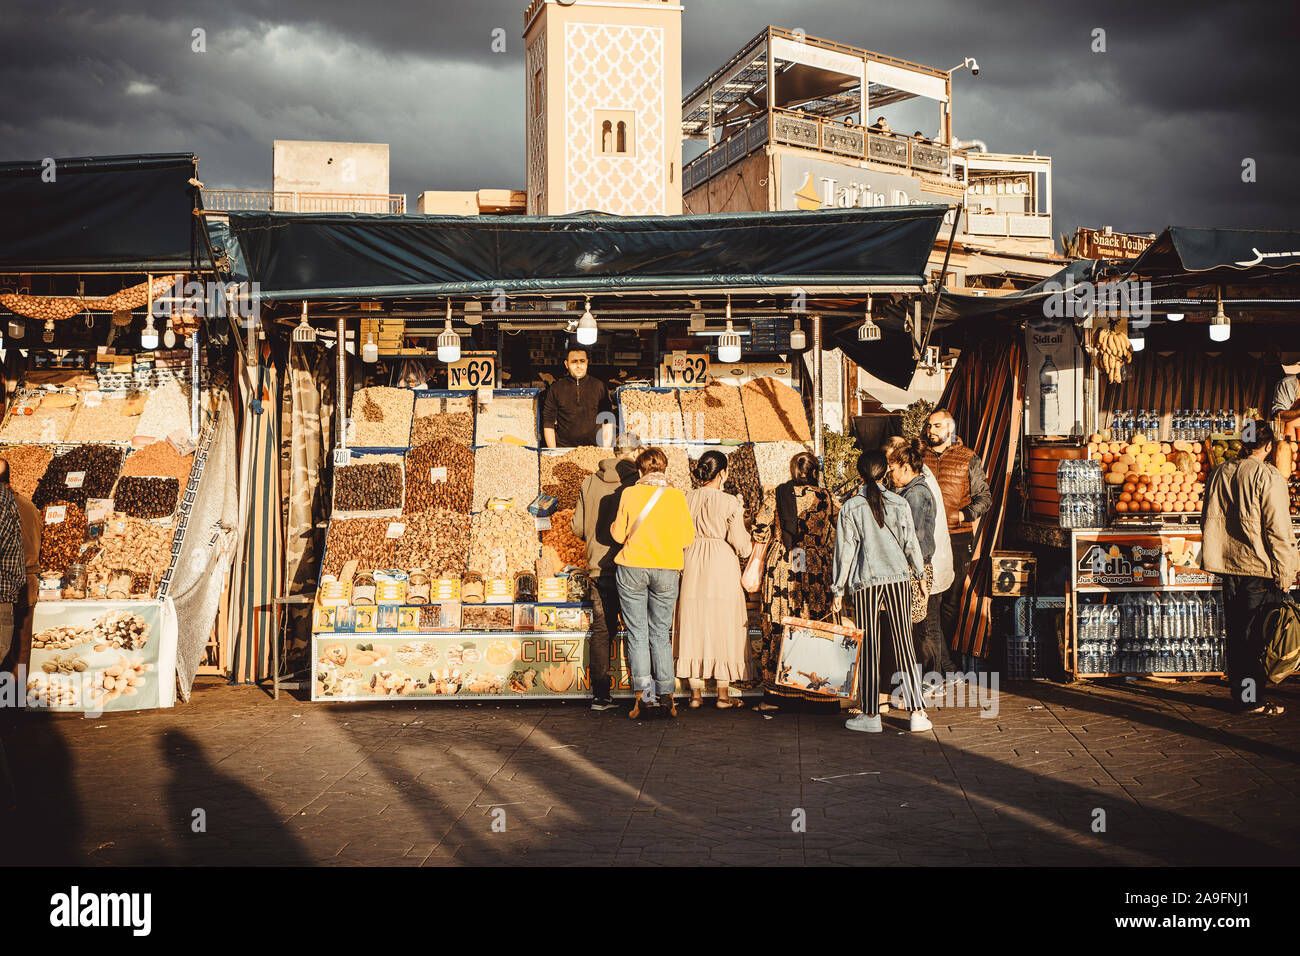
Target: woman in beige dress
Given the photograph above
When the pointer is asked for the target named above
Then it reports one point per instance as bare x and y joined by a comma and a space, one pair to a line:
711, 617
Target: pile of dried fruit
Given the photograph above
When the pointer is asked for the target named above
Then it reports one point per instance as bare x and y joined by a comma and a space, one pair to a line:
652, 417
373, 483
26, 465
453, 466
444, 418
508, 417
774, 411
435, 540
713, 412
560, 548
133, 544
363, 539
505, 471
146, 497
99, 464
160, 460
112, 419
381, 417
503, 543
563, 475
742, 480
61, 541
47, 421
773, 460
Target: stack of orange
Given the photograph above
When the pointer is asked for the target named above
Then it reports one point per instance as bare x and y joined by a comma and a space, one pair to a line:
1153, 476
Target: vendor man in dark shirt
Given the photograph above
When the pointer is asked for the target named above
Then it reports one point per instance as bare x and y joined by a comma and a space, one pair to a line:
572, 404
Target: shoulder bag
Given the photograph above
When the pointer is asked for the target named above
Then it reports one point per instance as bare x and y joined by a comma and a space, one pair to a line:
920, 598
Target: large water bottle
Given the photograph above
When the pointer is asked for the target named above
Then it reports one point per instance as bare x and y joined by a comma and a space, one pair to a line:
1112, 640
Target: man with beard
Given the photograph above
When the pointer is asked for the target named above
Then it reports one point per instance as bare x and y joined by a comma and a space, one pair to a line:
966, 498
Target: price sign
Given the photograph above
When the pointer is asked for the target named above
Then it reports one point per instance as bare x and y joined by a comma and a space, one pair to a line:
94, 399
396, 529
684, 370
75, 479
342, 456
55, 514
437, 474
543, 524
474, 370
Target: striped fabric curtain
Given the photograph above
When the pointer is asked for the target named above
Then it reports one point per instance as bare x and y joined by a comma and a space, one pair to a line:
1189, 379
259, 565
986, 397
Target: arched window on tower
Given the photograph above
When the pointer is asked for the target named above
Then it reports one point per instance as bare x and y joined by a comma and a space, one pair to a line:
607, 137
622, 136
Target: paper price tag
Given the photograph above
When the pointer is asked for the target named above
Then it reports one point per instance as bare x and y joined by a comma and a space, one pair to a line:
75, 479
94, 399
437, 474
396, 529
342, 456
485, 396
97, 509
55, 514
543, 524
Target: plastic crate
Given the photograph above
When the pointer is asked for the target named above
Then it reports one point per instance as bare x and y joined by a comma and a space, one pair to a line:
1022, 657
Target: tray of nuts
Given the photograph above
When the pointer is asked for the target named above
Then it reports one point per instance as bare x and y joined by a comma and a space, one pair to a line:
381, 417
39, 415
714, 412
61, 540
443, 414
774, 411
505, 471
364, 539
369, 486
503, 543
27, 463
436, 541
141, 546
85, 471
439, 475
564, 471
511, 416
653, 415
143, 497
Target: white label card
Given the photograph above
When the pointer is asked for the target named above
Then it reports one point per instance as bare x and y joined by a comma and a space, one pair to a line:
342, 456
485, 396
437, 474
75, 479
543, 524
396, 529
55, 514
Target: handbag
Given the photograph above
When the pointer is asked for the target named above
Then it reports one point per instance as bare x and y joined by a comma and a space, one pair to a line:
920, 599
751, 578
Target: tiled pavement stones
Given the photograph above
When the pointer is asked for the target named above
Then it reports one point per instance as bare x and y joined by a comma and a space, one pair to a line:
1181, 781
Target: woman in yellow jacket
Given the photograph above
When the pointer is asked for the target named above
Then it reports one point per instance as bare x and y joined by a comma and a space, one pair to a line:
654, 526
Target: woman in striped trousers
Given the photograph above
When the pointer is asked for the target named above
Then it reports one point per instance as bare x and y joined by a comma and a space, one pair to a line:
876, 556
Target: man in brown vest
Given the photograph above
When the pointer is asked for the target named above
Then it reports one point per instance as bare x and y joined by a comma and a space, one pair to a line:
966, 498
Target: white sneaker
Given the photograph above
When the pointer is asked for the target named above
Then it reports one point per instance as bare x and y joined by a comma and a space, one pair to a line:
919, 722
864, 724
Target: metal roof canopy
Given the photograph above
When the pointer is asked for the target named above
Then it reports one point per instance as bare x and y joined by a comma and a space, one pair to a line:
819, 76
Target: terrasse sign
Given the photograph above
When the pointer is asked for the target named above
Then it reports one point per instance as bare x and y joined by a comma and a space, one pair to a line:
816, 184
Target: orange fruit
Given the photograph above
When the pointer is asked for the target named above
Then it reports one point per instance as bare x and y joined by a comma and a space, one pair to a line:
1121, 506
1126, 496
1145, 506
1129, 487
1165, 448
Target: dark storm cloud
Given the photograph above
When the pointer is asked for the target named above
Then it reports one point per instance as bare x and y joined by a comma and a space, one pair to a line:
1149, 133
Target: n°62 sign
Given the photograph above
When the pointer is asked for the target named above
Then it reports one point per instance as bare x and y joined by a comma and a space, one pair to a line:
684, 370
474, 370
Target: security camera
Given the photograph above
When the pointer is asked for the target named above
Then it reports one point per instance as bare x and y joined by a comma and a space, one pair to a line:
974, 67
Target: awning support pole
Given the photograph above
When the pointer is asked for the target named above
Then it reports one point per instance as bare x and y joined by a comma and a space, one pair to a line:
340, 386
819, 448
194, 384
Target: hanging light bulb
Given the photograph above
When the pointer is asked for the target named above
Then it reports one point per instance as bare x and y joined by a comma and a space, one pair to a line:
17, 328
370, 351
149, 337
797, 339
729, 341
473, 312
303, 332
868, 331
48, 334
587, 326
1137, 340
1220, 326
448, 341
169, 337
1174, 316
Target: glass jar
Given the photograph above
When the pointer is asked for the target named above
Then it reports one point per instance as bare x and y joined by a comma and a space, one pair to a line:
74, 584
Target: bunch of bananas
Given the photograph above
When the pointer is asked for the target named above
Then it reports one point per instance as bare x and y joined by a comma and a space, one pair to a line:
1114, 349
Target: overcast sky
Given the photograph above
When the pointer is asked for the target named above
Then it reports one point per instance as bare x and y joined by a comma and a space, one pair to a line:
1150, 133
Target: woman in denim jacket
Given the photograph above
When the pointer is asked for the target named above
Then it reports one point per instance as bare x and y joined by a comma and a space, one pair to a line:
876, 556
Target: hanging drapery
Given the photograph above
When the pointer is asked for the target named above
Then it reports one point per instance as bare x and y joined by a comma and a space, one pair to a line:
260, 563
1190, 379
986, 397
302, 460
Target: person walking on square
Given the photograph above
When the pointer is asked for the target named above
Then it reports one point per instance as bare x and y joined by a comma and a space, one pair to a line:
1246, 539
797, 576
654, 527
31, 523
876, 556
593, 517
711, 618
13, 565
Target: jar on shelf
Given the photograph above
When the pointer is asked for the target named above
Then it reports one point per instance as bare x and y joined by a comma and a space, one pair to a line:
74, 584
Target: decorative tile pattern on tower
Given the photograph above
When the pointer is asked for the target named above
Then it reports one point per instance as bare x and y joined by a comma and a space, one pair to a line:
535, 60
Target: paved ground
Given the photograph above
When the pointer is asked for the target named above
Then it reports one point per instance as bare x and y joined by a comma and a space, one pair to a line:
1180, 781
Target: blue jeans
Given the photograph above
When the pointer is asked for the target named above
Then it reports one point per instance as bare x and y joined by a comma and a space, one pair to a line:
647, 597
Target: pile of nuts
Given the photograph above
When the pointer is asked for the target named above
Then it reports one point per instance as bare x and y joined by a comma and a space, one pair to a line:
51, 690
563, 475
113, 419
679, 467
508, 417
146, 497
61, 542
505, 471
743, 480
363, 539
141, 546
774, 411
122, 630
381, 417
64, 664
503, 543
100, 464
435, 540
455, 492
124, 677
62, 637
166, 411
560, 547
773, 460
26, 465
47, 422
160, 460
652, 417
444, 418
374, 484
714, 411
